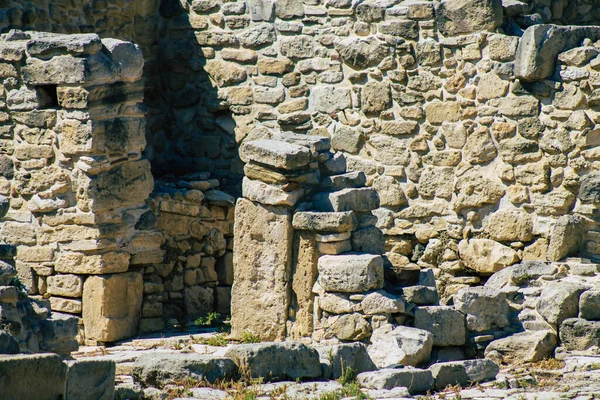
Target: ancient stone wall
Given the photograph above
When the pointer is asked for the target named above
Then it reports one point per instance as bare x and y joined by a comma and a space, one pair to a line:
72, 137
482, 152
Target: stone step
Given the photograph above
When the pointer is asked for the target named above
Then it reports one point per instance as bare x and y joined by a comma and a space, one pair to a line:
275, 153
353, 199
351, 272
325, 221
355, 179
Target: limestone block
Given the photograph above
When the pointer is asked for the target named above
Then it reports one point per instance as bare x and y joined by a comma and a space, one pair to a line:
375, 97
65, 285
260, 10
415, 380
463, 372
362, 53
446, 324
404, 28
528, 346
350, 327
275, 153
269, 194
381, 302
485, 255
32, 376
456, 17
277, 361
473, 190
401, 346
79, 263
352, 199
7, 273
443, 111
97, 68
160, 368
589, 191
257, 35
331, 99
540, 45
58, 333
485, 307
225, 73
479, 147
90, 379
579, 334
344, 356
297, 46
198, 300
589, 305
303, 279
389, 191
565, 238
510, 225
128, 58
87, 43
261, 291
351, 273
559, 301
116, 135
127, 183
111, 306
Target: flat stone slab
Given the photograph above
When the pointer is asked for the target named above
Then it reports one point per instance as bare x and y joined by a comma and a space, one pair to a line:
277, 361
445, 323
32, 376
160, 368
85, 43
325, 221
413, 379
275, 153
351, 273
463, 372
354, 179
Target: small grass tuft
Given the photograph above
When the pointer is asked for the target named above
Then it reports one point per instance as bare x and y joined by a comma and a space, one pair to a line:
249, 337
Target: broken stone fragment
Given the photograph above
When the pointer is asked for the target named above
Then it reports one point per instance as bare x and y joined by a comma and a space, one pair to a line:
456, 17
486, 308
445, 323
270, 194
51, 44
415, 380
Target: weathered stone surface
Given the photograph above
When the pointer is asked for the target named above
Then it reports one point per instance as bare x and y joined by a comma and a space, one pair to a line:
264, 230
486, 308
65, 285
415, 380
462, 16
485, 255
350, 327
351, 273
111, 306
540, 45
421, 295
23, 373
589, 191
343, 221
79, 263
579, 334
375, 97
362, 53
163, 367
277, 361
330, 99
275, 153
381, 302
446, 324
90, 379
225, 73
463, 372
81, 44
400, 346
274, 195
352, 199
344, 356
589, 305
510, 225
559, 301
524, 347
565, 238
305, 258
472, 190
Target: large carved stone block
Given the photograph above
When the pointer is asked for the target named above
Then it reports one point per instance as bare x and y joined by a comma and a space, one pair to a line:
111, 306
262, 262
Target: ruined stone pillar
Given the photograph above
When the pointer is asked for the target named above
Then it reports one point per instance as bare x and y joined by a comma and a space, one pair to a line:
71, 155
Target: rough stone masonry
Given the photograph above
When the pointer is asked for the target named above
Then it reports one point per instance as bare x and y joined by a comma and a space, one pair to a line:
393, 153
